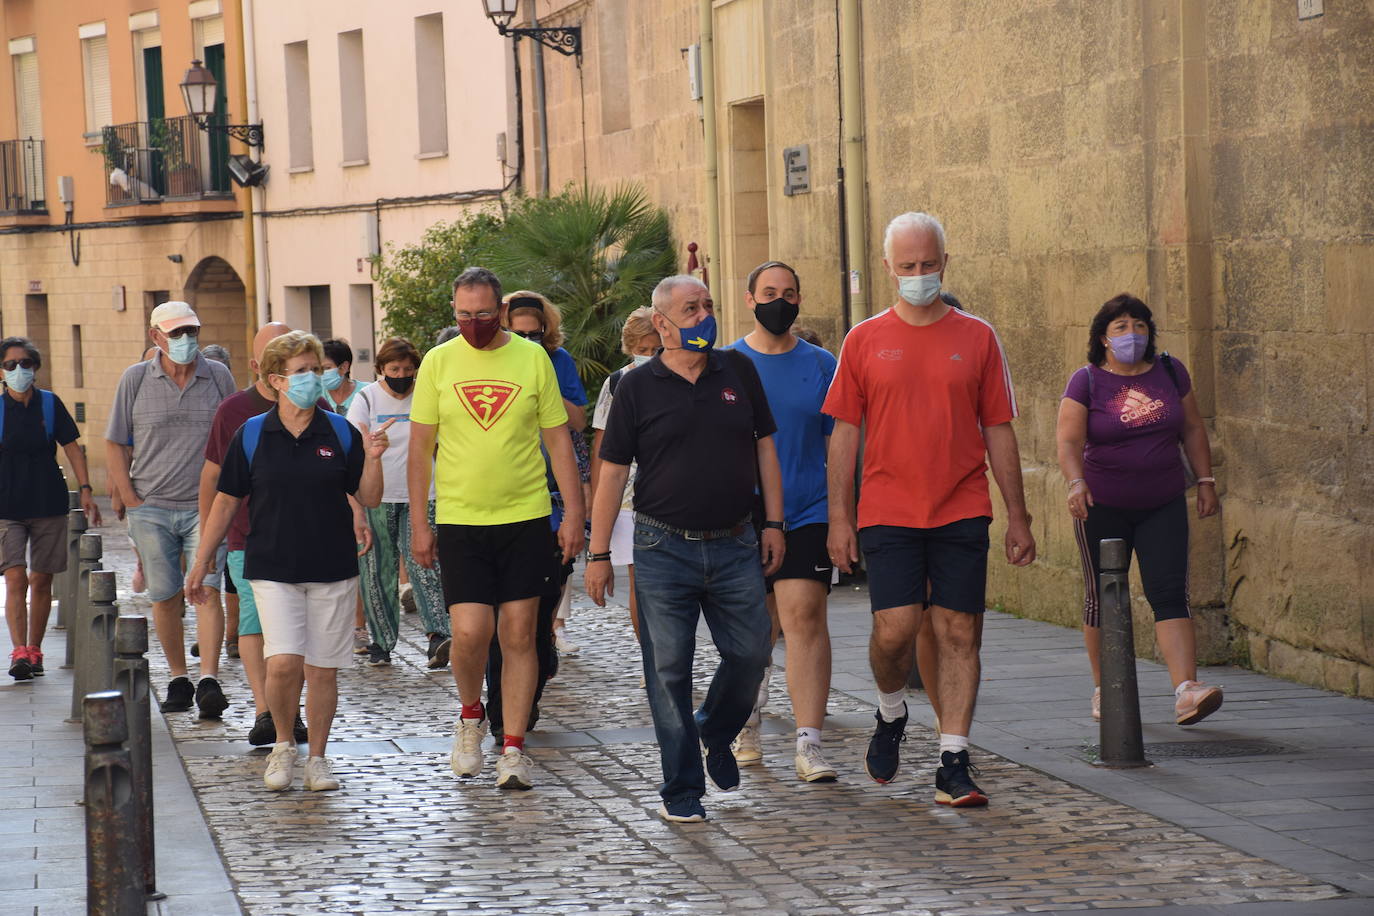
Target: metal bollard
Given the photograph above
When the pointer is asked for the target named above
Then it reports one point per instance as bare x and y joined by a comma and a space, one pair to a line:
131, 680
114, 881
94, 650
1122, 744
66, 599
59, 580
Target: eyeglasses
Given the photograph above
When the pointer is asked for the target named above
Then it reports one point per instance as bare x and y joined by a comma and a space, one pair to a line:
188, 330
464, 318
534, 336
10, 365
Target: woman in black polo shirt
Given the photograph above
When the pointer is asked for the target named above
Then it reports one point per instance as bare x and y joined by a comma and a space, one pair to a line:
33, 501
300, 466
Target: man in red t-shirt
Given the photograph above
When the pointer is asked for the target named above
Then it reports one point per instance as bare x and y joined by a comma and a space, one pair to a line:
931, 386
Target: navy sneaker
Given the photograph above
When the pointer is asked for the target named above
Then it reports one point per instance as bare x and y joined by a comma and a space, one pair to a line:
722, 768
686, 811
378, 657
954, 786
881, 760
210, 698
180, 695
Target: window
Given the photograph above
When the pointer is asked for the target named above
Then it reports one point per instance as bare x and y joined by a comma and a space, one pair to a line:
352, 98
78, 370
95, 70
26, 98
148, 89
321, 319
430, 93
613, 65
301, 137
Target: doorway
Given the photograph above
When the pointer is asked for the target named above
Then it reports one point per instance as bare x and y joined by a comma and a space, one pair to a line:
749, 243
36, 329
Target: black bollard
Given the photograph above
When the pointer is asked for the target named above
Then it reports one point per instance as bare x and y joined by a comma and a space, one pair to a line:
114, 881
131, 680
1122, 744
94, 650
66, 599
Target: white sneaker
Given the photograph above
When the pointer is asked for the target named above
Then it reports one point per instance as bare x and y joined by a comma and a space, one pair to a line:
747, 748
319, 775
811, 766
513, 770
466, 758
281, 766
562, 645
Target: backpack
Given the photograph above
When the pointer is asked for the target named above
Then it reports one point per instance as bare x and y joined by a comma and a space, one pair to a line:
49, 403
252, 432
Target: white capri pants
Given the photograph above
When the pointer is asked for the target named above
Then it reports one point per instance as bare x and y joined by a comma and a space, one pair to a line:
310, 619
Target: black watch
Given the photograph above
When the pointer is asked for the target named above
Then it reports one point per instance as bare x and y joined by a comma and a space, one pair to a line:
777, 525
85, 486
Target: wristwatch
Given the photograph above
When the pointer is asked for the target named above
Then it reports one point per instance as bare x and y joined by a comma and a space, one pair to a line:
777, 525
85, 486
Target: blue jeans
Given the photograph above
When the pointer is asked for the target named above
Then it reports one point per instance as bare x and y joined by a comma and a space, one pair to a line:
163, 537
676, 580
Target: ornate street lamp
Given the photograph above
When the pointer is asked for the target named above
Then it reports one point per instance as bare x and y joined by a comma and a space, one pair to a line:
200, 92
565, 40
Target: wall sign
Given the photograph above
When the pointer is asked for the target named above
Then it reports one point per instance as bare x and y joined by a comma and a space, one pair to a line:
1309, 9
796, 167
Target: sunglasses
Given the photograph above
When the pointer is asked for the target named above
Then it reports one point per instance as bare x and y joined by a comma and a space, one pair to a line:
183, 331
533, 336
10, 365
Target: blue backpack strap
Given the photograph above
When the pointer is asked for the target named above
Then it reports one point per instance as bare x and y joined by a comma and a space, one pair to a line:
252, 432
49, 411
343, 429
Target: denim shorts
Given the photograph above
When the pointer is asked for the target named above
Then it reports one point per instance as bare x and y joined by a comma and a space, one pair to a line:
249, 625
163, 537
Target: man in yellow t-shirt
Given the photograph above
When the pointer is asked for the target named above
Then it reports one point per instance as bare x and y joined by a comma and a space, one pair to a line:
490, 399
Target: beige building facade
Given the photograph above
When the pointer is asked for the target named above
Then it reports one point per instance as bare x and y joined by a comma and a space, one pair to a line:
381, 120
1215, 158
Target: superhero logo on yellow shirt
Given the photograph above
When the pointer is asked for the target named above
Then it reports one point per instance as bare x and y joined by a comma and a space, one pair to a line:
486, 400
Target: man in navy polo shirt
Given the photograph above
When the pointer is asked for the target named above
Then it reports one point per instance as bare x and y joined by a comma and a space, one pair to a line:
698, 424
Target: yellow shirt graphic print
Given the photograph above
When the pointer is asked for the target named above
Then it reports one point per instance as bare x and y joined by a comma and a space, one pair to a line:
489, 407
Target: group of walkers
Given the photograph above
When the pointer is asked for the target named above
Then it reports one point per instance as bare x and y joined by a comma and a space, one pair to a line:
722, 477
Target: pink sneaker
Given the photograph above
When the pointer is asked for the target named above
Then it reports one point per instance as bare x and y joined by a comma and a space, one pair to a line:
19, 664
36, 661
1196, 701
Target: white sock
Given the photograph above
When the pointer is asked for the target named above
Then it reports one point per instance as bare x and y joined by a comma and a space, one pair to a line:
808, 736
953, 743
892, 706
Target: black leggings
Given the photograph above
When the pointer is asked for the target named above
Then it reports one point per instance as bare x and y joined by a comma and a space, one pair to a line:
1159, 538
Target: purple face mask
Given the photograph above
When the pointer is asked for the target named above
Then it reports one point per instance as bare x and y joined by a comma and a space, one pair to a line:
1129, 348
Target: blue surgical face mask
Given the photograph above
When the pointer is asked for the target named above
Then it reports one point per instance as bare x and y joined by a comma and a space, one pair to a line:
1129, 349
19, 379
921, 289
304, 389
182, 350
332, 379
640, 360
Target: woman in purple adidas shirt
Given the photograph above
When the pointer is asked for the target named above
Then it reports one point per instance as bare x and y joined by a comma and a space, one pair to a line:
1121, 422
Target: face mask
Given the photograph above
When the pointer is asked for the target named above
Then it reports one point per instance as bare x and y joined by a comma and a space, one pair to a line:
920, 290
640, 360
19, 379
182, 350
776, 316
698, 339
400, 385
1129, 348
304, 389
331, 379
478, 332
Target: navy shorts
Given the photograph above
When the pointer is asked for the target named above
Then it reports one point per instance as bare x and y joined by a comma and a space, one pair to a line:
493, 564
945, 566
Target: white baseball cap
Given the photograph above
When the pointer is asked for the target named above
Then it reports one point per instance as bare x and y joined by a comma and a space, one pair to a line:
172, 315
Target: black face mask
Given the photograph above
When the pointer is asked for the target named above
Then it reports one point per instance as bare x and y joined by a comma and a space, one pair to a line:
400, 385
776, 316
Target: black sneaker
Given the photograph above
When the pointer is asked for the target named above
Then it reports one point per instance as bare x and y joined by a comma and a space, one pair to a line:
439, 646
20, 668
687, 811
195, 650
210, 698
378, 657
299, 732
881, 760
180, 695
722, 768
264, 730
954, 786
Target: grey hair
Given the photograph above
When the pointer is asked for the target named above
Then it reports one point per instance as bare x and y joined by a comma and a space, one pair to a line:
446, 334
913, 219
216, 352
663, 293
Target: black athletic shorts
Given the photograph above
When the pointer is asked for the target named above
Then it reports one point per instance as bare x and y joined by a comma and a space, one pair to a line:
493, 564
952, 558
806, 556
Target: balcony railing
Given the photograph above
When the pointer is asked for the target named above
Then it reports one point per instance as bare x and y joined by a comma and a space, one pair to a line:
169, 159
22, 177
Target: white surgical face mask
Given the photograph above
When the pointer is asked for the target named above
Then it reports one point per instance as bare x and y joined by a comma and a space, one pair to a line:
640, 359
919, 290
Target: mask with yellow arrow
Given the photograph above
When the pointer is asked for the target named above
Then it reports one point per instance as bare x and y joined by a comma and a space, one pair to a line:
700, 337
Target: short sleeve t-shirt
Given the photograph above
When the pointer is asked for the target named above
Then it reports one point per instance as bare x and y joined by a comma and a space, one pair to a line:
1131, 459
236, 409
924, 395
599, 418
369, 410
490, 407
31, 483
569, 382
796, 383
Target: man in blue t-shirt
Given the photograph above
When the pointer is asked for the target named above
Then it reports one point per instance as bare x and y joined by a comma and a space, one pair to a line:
796, 376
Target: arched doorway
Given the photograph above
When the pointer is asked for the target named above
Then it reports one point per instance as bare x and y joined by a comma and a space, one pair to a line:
215, 291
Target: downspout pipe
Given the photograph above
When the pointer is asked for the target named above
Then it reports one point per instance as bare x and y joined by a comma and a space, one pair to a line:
541, 114
855, 178
708, 108
255, 256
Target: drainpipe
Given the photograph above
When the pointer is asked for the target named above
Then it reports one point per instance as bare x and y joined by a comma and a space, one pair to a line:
254, 260
708, 109
541, 117
856, 183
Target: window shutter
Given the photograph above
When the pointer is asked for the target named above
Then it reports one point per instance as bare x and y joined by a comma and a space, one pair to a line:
97, 61
212, 31
26, 95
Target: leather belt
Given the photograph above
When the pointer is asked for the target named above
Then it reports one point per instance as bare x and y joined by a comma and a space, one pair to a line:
711, 535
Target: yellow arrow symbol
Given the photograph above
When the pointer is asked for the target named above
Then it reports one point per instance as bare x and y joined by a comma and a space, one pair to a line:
699, 342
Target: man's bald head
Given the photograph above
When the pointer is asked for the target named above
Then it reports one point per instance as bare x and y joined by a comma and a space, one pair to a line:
266, 334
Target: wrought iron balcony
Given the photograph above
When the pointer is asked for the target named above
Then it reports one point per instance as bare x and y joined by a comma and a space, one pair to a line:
167, 159
22, 177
